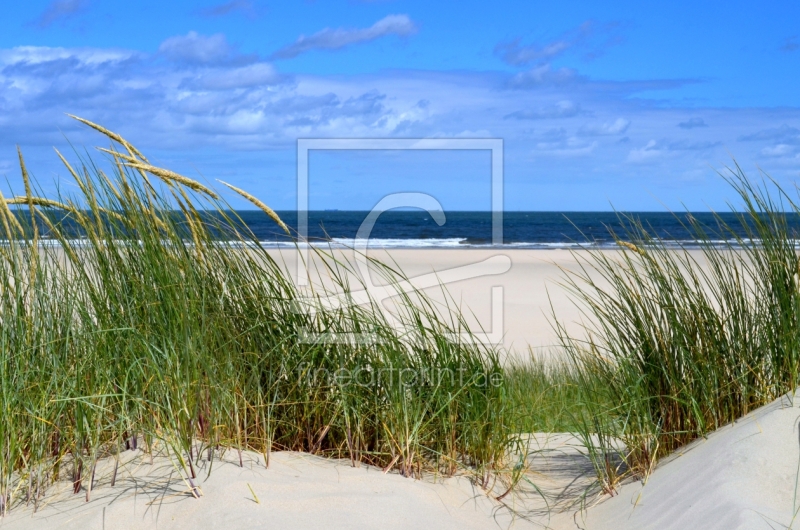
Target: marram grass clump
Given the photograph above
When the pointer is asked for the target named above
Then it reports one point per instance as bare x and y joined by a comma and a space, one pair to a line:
142, 312
683, 341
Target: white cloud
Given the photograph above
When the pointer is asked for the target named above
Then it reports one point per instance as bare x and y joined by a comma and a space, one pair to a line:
514, 54
252, 75
570, 147
692, 123
334, 39
42, 54
779, 150
692, 145
470, 133
194, 48
657, 148
543, 75
646, 153
618, 126
784, 134
559, 109
559, 142
592, 38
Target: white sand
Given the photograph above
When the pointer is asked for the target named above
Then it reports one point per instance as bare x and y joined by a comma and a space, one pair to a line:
304, 491
744, 476
529, 288
297, 491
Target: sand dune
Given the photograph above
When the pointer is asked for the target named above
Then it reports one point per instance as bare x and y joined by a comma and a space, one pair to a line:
303, 491
297, 491
743, 476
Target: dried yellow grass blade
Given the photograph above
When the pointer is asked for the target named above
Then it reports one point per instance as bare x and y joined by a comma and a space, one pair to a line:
115, 215
190, 221
8, 215
123, 156
263, 207
27, 181
190, 207
46, 221
79, 181
35, 246
159, 222
632, 247
24, 170
86, 192
111, 186
41, 201
69, 167
38, 201
168, 175
114, 136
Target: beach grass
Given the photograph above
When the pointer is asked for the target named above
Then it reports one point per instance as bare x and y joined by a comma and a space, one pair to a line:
141, 313
681, 342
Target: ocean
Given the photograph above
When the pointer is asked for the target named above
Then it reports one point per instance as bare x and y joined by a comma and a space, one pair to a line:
536, 230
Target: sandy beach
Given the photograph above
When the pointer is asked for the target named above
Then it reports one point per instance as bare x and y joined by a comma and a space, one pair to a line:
529, 279
530, 290
742, 476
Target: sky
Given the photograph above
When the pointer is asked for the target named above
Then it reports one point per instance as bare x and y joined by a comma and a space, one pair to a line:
631, 105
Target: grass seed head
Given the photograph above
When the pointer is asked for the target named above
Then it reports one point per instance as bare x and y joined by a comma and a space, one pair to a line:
171, 176
263, 207
114, 136
631, 247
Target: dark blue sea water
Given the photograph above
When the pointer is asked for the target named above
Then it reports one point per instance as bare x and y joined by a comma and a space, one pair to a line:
413, 229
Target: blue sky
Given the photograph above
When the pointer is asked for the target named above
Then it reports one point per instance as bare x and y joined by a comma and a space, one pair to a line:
630, 104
